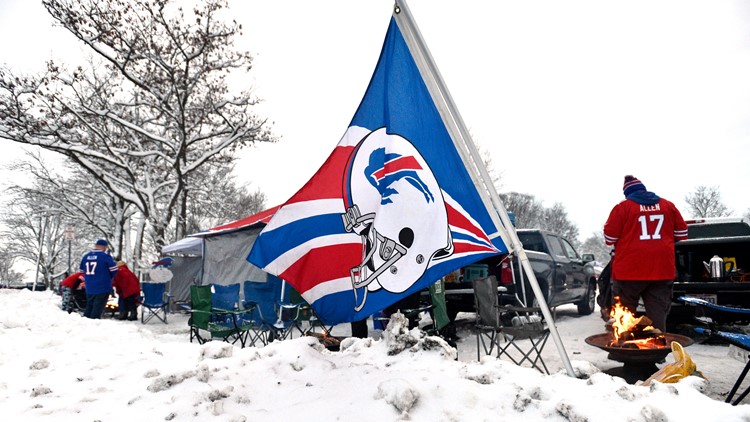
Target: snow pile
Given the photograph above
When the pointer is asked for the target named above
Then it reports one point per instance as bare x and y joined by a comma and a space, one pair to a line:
55, 366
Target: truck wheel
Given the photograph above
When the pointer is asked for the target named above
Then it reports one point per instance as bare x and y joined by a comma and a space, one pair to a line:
586, 305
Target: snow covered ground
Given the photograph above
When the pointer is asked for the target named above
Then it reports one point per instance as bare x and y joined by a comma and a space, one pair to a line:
60, 367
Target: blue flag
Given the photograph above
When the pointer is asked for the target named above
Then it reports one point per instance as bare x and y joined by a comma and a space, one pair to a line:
392, 209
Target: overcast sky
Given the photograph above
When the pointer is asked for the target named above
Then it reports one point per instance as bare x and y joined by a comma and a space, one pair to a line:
567, 96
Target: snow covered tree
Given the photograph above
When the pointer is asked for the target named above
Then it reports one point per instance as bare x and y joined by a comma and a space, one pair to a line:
706, 202
149, 112
81, 200
220, 199
33, 233
7, 260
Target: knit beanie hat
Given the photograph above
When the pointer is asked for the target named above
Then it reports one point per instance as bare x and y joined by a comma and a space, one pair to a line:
631, 185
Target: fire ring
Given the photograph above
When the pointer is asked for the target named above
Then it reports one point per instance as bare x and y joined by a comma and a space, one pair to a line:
635, 356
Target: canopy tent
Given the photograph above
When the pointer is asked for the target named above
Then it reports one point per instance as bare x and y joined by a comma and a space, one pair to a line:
187, 246
217, 255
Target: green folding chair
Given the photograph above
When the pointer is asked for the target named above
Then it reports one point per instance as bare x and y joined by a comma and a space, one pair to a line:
231, 326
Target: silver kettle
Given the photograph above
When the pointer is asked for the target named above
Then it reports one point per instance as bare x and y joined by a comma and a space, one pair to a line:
715, 267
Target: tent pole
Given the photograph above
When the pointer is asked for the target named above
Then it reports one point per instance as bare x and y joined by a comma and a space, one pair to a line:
472, 161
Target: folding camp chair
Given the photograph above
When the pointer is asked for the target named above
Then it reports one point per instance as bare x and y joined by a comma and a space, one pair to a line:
525, 333
276, 316
487, 323
230, 310
518, 333
711, 315
229, 325
307, 320
155, 302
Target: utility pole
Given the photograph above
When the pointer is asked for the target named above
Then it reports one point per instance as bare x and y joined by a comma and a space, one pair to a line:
42, 228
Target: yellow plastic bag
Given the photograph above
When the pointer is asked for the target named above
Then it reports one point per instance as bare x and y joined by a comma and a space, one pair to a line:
682, 366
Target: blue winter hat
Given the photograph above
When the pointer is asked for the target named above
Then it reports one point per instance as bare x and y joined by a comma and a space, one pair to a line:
632, 184
102, 242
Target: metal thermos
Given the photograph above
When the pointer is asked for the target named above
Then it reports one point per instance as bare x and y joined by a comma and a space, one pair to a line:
716, 268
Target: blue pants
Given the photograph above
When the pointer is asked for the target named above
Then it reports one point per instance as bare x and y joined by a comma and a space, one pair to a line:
95, 305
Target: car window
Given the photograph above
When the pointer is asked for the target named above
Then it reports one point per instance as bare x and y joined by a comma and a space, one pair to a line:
532, 241
554, 244
569, 249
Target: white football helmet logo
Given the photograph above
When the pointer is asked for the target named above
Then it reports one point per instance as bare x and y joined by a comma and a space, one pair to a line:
394, 202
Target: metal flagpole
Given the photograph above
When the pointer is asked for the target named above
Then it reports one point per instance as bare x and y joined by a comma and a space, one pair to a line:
472, 160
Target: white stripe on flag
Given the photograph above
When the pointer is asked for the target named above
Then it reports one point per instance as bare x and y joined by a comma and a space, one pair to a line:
290, 213
288, 258
327, 288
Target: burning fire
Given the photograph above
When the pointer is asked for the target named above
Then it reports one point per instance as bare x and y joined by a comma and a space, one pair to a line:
112, 303
631, 332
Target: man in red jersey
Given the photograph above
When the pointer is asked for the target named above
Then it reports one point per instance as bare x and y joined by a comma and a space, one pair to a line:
643, 229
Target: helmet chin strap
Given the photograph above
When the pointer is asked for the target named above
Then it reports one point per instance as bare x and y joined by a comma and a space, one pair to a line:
389, 250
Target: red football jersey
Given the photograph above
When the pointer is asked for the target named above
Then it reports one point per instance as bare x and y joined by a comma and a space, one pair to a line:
643, 237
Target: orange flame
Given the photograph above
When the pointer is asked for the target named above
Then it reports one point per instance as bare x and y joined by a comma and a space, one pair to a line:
626, 322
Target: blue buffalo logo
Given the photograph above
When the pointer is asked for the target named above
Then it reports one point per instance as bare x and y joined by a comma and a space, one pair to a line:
386, 168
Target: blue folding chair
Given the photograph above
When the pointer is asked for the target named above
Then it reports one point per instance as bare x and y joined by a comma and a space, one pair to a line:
712, 315
229, 311
155, 302
276, 318
226, 297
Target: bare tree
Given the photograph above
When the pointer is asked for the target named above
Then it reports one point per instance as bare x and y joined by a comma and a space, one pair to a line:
150, 113
7, 260
528, 212
531, 213
706, 202
595, 245
556, 220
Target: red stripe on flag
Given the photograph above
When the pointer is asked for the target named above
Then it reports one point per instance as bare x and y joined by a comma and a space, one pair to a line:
328, 182
401, 163
459, 248
323, 264
456, 219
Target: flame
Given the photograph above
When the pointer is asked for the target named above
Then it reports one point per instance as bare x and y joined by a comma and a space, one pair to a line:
112, 303
625, 323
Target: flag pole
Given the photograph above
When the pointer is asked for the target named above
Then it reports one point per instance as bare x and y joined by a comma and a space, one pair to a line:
472, 160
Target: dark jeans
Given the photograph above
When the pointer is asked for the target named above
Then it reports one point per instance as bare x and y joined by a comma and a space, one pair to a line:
359, 328
656, 295
95, 305
128, 308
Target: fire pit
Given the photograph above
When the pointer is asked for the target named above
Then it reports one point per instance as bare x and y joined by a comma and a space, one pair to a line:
636, 344
635, 356
331, 343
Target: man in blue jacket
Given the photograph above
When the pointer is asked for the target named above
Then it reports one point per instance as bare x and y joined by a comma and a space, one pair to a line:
98, 268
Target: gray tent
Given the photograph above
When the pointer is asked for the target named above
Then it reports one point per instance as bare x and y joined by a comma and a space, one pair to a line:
218, 255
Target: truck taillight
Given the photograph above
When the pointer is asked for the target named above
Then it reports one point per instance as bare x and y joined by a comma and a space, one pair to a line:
506, 275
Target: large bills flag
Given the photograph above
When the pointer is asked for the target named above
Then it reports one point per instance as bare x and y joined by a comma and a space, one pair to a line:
391, 210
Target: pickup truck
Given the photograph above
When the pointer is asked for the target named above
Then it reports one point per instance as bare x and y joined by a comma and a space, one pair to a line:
563, 275
726, 238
